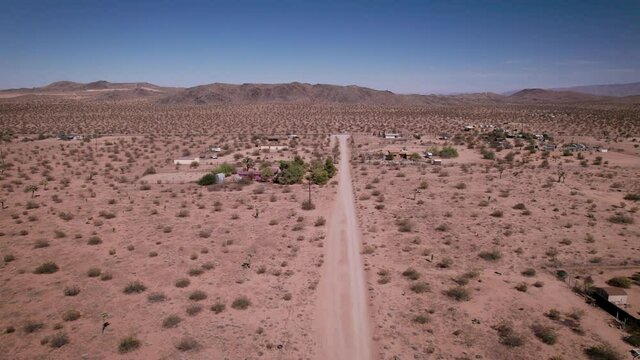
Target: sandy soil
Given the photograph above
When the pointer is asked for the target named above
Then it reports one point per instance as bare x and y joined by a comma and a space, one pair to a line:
342, 302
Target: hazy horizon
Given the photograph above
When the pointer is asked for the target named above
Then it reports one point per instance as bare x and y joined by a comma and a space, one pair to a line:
405, 47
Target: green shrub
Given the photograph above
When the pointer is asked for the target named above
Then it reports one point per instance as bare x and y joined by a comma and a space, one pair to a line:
197, 295
208, 179
224, 168
448, 152
71, 315
218, 308
620, 281
632, 197
420, 287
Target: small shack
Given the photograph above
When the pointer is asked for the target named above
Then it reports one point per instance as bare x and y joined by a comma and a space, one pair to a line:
613, 295
391, 136
186, 160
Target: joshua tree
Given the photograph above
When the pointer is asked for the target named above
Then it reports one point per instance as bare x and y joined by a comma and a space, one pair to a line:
32, 189
248, 163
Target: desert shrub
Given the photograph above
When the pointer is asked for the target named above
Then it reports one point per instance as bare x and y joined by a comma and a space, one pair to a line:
182, 283
529, 272
187, 344
620, 281
217, 308
508, 336
39, 244
58, 340
404, 225
71, 290
602, 352
71, 315
385, 276
9, 258
546, 334
420, 287
196, 272
632, 197
194, 309
94, 240
497, 213
93, 272
320, 221
445, 263
308, 205
66, 216
553, 314
128, 344
458, 293
442, 227
197, 295
493, 255
47, 268
134, 287
155, 297
621, 219
182, 213
32, 326
224, 168
208, 179
448, 152
519, 206
421, 319
241, 303
171, 321
208, 265
149, 171
106, 276
411, 273
522, 287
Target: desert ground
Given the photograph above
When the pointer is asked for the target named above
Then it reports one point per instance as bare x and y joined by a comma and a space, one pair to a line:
110, 250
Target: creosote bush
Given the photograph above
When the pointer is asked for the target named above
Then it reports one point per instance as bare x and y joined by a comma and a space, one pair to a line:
134, 287
47, 268
241, 303
128, 344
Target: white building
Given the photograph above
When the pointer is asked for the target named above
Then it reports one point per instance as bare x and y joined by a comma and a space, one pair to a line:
186, 160
391, 135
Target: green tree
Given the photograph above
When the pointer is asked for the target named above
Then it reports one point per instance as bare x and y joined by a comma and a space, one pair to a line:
329, 167
449, 152
318, 175
248, 163
32, 189
291, 172
224, 168
265, 172
208, 179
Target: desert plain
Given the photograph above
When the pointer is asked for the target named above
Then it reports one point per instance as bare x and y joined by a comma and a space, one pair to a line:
488, 247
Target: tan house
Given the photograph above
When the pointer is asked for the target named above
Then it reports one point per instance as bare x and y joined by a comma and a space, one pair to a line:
613, 295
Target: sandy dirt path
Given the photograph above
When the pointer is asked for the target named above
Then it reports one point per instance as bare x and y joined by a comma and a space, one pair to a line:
343, 318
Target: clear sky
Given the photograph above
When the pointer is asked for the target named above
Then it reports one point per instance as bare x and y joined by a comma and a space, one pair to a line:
403, 46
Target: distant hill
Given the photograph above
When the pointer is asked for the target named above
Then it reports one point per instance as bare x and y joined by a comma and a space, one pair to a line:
218, 93
617, 90
552, 96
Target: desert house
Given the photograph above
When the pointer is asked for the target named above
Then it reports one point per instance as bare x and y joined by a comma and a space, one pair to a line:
186, 160
273, 147
389, 135
614, 295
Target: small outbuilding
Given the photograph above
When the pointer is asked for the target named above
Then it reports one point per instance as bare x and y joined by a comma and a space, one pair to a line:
186, 160
388, 135
613, 295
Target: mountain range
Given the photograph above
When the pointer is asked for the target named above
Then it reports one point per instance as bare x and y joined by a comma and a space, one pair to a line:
219, 93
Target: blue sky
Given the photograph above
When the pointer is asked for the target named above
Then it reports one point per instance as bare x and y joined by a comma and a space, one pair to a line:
403, 46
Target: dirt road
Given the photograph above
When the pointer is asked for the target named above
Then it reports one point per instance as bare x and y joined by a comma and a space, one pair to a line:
343, 318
